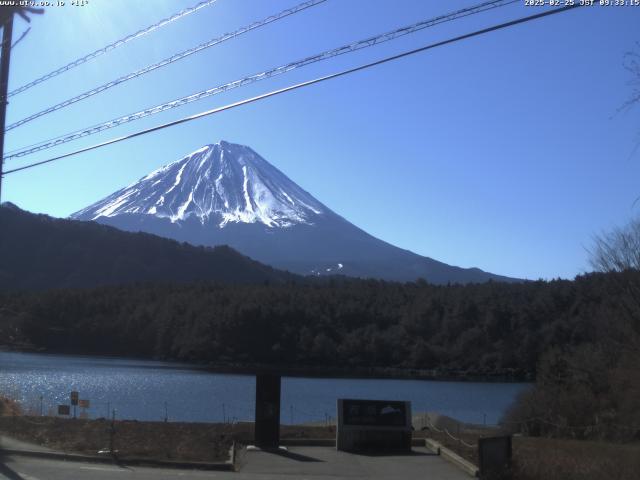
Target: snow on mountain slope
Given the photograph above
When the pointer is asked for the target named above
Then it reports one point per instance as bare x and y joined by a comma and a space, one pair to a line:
222, 183
227, 194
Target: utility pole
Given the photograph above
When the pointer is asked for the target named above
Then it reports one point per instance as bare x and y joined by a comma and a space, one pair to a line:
7, 34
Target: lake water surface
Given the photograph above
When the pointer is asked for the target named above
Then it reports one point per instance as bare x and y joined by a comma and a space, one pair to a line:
149, 390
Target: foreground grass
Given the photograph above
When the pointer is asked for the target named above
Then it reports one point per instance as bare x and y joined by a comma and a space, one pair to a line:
205, 442
155, 440
9, 407
558, 459
533, 458
555, 459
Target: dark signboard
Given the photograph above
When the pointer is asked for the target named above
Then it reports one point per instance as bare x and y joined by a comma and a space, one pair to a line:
374, 413
495, 457
74, 398
64, 409
267, 426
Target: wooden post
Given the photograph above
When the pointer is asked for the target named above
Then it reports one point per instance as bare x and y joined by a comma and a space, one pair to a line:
7, 34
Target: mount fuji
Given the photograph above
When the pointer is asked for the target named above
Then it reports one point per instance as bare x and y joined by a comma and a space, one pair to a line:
228, 194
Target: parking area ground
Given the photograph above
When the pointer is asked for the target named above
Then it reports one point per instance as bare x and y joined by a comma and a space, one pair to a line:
327, 462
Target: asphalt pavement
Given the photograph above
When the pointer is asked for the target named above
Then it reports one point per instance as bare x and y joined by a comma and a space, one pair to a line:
328, 463
27, 468
319, 463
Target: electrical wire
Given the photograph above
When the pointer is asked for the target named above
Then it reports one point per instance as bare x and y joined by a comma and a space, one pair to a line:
113, 46
167, 61
21, 37
300, 85
366, 43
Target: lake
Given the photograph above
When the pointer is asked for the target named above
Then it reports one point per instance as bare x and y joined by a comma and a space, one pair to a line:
151, 390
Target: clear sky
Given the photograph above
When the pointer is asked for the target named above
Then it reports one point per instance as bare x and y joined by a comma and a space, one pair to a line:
504, 152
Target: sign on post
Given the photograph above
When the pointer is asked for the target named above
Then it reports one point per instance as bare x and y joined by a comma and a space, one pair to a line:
83, 403
74, 398
64, 410
374, 425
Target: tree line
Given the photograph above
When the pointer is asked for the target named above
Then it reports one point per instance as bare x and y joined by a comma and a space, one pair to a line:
478, 329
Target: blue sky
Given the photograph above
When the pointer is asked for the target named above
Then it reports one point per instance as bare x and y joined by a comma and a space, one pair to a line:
504, 152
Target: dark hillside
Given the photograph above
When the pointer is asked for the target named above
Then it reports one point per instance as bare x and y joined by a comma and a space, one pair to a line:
40, 252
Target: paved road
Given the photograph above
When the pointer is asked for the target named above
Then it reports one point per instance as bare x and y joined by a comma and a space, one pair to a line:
25, 468
327, 463
319, 463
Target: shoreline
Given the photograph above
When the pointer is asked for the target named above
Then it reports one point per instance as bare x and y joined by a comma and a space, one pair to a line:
305, 371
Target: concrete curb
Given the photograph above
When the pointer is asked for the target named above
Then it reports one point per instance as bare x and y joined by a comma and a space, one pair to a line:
432, 445
308, 442
452, 457
328, 442
72, 457
233, 456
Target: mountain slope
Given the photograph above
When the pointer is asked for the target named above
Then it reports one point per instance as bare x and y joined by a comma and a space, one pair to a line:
228, 194
219, 184
43, 252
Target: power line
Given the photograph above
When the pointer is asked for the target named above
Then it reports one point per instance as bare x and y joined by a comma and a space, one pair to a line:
300, 85
168, 61
21, 37
114, 45
6, 20
14, 43
369, 42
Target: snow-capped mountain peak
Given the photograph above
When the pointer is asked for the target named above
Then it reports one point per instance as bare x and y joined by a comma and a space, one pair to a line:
227, 194
222, 183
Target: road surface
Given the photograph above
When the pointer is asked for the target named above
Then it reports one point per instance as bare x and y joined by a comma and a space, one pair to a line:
319, 463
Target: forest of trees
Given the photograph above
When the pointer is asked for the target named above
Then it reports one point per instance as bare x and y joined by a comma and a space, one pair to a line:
480, 329
592, 389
